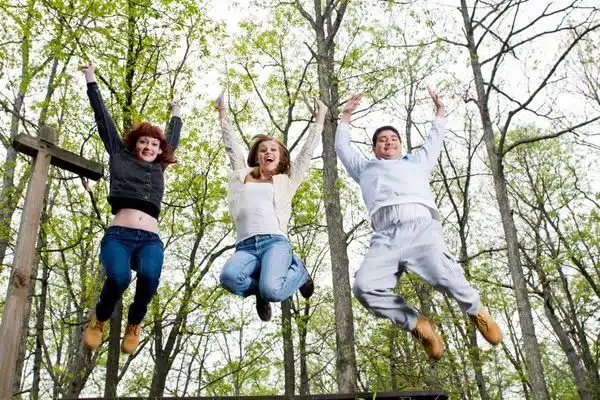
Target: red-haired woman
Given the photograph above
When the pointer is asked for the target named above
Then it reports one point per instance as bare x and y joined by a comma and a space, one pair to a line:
137, 164
260, 202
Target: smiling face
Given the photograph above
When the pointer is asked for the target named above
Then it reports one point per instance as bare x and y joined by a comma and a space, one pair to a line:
268, 156
147, 148
387, 145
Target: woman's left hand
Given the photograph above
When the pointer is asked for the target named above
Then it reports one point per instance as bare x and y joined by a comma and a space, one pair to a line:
175, 107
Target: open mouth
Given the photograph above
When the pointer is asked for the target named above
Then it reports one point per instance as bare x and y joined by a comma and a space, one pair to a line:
269, 160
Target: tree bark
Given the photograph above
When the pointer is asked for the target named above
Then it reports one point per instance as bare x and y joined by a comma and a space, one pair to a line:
39, 332
114, 350
302, 333
530, 344
288, 348
10, 194
342, 296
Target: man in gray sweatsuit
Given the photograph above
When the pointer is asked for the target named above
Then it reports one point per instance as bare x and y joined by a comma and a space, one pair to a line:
408, 234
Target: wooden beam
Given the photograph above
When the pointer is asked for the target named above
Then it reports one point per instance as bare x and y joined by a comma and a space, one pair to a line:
61, 158
44, 152
14, 308
410, 395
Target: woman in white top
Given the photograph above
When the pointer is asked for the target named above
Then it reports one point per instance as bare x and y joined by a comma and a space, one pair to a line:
260, 202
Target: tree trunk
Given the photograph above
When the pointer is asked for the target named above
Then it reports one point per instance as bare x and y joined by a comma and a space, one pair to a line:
325, 32
532, 351
302, 332
392, 335
114, 350
342, 297
80, 363
288, 348
39, 332
573, 359
159, 378
9, 197
592, 380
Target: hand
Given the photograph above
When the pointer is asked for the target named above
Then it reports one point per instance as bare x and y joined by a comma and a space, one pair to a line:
321, 111
351, 106
175, 107
220, 102
320, 106
439, 106
88, 71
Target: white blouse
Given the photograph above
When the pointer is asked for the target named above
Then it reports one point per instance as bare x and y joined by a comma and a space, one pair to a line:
256, 212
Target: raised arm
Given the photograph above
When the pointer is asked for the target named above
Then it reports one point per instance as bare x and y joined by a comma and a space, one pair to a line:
301, 164
430, 151
350, 158
232, 146
175, 124
106, 126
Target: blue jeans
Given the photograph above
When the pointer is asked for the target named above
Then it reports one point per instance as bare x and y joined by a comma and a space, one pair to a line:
121, 251
264, 265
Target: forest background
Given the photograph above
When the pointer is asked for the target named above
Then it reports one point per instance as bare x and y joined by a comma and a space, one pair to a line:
516, 184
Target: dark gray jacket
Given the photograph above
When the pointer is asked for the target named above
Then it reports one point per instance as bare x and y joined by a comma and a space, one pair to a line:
130, 178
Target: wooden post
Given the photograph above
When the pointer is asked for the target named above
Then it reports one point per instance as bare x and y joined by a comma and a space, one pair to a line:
44, 153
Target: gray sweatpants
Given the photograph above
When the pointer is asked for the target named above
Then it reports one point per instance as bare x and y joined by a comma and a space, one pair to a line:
408, 238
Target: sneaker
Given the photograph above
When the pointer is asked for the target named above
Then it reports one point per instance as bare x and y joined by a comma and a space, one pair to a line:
131, 338
486, 325
425, 333
263, 308
92, 335
308, 288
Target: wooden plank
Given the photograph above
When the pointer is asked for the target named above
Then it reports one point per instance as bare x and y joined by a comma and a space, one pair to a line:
14, 309
61, 158
410, 395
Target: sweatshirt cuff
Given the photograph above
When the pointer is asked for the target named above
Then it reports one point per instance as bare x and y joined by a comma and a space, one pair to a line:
343, 124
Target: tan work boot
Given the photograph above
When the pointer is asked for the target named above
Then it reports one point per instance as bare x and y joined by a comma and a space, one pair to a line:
92, 335
131, 338
425, 333
486, 325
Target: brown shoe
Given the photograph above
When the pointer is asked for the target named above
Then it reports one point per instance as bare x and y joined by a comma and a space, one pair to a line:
92, 335
486, 325
131, 338
263, 308
308, 288
425, 333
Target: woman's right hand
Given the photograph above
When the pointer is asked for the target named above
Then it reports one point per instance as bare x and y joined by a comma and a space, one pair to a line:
88, 71
220, 105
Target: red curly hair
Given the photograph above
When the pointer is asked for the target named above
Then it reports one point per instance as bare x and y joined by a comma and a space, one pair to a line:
153, 131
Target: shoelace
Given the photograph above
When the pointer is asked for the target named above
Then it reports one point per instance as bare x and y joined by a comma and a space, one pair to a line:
132, 330
482, 321
419, 335
95, 324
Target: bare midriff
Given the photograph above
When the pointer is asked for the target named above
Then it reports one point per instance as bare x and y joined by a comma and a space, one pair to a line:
135, 219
